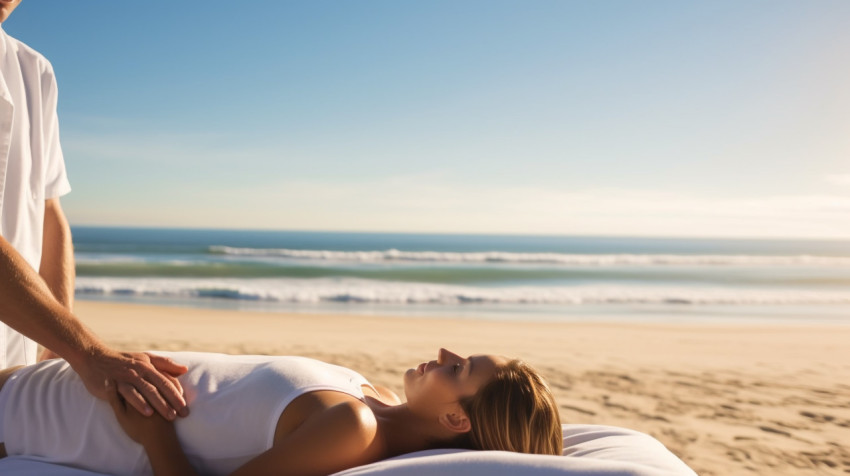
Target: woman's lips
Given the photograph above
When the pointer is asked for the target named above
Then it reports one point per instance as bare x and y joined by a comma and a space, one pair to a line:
421, 369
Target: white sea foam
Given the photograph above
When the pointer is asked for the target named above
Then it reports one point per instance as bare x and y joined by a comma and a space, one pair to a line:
537, 258
378, 292
94, 259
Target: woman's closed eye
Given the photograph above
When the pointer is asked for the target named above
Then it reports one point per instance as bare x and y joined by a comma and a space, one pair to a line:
456, 368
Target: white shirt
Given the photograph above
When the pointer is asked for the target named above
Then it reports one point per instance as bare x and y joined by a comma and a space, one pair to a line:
32, 168
236, 401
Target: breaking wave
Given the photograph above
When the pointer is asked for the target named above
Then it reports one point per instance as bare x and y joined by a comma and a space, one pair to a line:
394, 255
379, 292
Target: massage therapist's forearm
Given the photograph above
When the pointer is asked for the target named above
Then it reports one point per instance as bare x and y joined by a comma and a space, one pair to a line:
28, 305
57, 255
57, 258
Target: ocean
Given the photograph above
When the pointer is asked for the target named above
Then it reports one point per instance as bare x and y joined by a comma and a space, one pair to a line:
540, 278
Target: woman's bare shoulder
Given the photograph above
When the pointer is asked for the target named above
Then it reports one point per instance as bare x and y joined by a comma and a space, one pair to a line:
340, 435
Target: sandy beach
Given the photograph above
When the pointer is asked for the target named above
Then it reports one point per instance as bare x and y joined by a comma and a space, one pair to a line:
729, 400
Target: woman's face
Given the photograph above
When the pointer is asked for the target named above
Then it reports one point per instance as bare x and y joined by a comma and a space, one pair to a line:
435, 386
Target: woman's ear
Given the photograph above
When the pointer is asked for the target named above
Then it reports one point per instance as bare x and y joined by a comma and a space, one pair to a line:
456, 422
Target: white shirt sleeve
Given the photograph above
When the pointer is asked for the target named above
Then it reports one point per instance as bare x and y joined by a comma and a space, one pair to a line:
56, 179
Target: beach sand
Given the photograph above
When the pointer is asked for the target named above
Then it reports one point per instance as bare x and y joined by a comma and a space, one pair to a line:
729, 400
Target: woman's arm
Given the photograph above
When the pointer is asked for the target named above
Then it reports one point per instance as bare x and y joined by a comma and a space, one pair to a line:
155, 434
165, 453
340, 437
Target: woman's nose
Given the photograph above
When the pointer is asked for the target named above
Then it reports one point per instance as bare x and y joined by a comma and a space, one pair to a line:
445, 356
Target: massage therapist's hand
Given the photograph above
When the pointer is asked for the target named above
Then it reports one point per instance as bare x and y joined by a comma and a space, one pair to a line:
147, 382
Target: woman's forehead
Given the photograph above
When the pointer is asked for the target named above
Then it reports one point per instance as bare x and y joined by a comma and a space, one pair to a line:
483, 366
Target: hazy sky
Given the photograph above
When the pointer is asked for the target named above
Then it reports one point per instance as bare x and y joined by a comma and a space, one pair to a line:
667, 118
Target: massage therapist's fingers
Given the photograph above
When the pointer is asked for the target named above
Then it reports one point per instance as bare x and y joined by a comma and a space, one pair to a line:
184, 412
150, 386
176, 384
133, 398
166, 365
170, 370
162, 393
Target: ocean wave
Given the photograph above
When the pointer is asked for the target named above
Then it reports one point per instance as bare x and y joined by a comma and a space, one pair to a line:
355, 291
472, 275
394, 255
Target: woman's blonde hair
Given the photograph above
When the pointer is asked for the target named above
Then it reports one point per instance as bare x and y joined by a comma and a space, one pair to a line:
515, 411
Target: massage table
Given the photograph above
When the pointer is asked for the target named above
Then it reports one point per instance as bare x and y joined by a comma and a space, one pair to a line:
589, 450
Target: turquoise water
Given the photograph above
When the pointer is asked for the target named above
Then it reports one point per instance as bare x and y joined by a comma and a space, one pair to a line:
506, 277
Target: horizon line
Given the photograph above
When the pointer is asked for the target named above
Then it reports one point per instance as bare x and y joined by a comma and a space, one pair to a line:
459, 233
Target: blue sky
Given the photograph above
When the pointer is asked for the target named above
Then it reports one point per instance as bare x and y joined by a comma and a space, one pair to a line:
723, 118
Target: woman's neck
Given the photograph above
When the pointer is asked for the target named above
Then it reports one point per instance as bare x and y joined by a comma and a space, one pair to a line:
403, 431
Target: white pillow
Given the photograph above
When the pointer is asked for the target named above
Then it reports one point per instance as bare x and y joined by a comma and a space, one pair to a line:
589, 450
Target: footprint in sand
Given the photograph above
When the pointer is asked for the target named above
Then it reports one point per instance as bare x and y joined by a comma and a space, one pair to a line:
738, 454
770, 429
824, 418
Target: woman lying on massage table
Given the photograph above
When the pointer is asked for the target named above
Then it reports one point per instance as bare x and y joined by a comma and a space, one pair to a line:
256, 415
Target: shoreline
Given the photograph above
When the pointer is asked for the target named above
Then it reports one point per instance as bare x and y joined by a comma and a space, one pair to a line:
678, 314
726, 398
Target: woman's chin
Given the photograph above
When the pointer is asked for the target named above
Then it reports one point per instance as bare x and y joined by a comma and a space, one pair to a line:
409, 375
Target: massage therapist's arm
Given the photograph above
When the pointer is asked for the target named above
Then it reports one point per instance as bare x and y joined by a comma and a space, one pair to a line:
57, 259
28, 305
